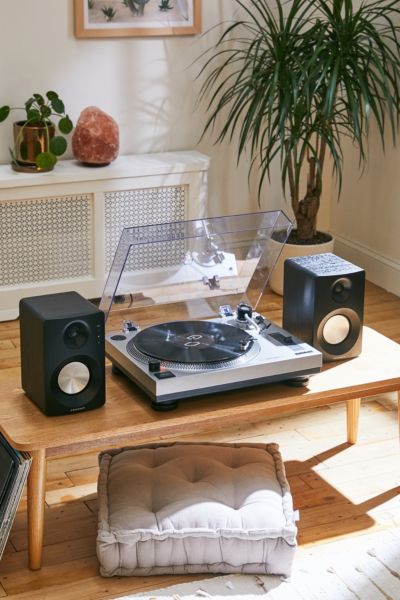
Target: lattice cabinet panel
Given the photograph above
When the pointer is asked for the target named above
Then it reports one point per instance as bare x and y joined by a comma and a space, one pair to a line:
131, 208
45, 239
59, 230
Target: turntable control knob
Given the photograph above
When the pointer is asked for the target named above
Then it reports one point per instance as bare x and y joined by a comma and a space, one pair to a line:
243, 310
154, 366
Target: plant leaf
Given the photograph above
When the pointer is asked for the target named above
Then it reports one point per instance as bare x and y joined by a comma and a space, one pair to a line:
39, 99
57, 105
51, 95
45, 111
46, 160
65, 125
29, 103
58, 145
4, 112
33, 115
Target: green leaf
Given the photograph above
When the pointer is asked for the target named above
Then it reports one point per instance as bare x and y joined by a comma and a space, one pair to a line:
45, 111
33, 115
57, 105
39, 99
4, 112
46, 160
29, 103
52, 95
65, 125
58, 145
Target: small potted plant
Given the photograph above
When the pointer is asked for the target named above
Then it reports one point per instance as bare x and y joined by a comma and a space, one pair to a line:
36, 145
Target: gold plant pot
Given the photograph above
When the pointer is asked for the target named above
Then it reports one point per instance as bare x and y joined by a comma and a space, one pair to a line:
29, 141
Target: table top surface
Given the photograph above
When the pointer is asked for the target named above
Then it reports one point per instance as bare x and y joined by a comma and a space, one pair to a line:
127, 413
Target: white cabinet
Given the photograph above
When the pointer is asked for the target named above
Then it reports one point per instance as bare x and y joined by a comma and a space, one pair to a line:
59, 230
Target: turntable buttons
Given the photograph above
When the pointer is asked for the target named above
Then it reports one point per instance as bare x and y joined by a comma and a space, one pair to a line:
154, 366
163, 374
118, 338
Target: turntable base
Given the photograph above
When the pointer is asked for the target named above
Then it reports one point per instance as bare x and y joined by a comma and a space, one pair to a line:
176, 360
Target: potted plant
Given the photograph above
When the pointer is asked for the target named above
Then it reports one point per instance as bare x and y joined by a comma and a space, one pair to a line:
294, 79
36, 147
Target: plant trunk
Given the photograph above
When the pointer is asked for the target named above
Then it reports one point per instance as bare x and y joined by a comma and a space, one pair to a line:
306, 216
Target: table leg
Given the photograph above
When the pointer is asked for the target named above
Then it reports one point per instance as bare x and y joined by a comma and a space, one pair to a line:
353, 413
36, 504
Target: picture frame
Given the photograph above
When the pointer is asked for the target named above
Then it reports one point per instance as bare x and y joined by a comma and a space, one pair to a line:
136, 18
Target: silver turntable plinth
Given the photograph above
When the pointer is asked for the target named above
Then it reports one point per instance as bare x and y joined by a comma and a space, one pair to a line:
274, 355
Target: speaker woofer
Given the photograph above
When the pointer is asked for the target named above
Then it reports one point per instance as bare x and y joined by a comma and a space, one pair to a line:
338, 332
73, 378
336, 329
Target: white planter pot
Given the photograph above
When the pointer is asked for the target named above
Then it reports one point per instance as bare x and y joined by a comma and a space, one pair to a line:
289, 251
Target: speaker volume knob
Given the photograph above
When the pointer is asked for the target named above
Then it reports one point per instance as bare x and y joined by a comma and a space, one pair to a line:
73, 377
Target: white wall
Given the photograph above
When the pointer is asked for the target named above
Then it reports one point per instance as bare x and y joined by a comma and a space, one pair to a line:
147, 84
366, 219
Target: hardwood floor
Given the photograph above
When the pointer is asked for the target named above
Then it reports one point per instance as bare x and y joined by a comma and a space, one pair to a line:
340, 490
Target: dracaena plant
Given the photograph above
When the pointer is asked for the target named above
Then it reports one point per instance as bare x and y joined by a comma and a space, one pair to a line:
41, 111
294, 79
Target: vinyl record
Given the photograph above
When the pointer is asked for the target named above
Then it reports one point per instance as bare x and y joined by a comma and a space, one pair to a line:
193, 342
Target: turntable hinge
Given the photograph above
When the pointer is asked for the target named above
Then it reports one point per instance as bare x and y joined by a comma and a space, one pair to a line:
212, 282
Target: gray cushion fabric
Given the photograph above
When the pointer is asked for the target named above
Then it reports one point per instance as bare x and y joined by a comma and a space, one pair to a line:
194, 508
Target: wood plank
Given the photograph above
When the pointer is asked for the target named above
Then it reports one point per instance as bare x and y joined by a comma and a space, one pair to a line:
26, 580
339, 529
61, 513
59, 532
82, 492
84, 476
100, 587
54, 554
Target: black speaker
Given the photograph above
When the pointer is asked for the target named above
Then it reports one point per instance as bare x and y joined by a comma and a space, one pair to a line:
62, 353
323, 304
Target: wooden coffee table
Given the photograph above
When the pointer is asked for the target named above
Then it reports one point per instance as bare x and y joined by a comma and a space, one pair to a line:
127, 417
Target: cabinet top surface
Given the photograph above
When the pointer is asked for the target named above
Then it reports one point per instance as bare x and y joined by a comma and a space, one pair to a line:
136, 165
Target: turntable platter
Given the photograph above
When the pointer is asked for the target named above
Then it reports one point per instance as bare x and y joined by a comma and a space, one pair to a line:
193, 342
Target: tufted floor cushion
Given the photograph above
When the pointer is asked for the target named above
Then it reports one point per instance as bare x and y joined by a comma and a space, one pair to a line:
194, 508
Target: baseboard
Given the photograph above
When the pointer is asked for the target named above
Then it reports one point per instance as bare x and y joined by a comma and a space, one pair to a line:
380, 269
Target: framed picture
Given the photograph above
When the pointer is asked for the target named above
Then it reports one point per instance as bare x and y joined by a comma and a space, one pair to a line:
136, 18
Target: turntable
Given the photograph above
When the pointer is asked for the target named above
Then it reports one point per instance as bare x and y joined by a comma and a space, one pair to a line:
180, 303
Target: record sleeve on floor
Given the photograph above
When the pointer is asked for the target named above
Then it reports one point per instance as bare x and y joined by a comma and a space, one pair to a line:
14, 469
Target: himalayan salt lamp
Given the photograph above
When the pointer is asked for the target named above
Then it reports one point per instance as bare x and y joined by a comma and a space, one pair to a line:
95, 141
